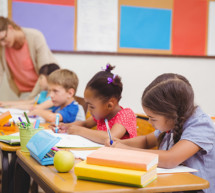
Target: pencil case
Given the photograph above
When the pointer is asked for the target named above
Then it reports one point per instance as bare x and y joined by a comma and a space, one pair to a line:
5, 125
40, 147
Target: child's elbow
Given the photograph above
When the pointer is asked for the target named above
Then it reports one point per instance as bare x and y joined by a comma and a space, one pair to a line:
168, 162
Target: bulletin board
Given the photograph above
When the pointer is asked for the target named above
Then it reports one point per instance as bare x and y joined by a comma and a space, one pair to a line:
5, 8
149, 27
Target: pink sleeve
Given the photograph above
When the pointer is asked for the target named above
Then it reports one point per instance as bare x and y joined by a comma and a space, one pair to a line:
127, 118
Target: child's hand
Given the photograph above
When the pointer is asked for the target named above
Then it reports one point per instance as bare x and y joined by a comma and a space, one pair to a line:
1, 103
32, 108
115, 141
62, 127
33, 112
4, 104
74, 129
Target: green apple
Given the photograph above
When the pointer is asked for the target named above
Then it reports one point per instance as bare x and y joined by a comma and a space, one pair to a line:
64, 161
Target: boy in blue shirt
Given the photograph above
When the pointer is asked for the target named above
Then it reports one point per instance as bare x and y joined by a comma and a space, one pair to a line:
62, 86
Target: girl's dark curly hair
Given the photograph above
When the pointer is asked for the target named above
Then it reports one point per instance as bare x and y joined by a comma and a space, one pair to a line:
105, 84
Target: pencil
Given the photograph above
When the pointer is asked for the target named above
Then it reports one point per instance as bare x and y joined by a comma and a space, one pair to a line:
36, 101
57, 122
108, 130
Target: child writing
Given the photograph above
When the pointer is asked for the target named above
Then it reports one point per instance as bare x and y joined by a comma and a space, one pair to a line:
102, 94
62, 86
184, 133
42, 100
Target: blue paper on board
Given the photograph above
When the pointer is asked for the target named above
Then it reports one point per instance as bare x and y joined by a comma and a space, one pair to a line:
145, 28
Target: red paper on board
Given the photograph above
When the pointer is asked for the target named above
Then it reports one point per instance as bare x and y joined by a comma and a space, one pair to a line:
189, 27
51, 2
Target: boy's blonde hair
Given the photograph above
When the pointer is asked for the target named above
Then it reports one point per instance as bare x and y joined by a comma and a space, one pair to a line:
65, 78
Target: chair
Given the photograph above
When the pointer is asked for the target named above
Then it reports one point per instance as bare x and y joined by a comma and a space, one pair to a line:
82, 102
143, 126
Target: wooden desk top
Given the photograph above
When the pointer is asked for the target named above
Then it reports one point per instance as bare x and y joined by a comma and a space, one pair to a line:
13, 148
7, 147
67, 182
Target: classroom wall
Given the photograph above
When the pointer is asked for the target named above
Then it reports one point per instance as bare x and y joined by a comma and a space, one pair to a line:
137, 72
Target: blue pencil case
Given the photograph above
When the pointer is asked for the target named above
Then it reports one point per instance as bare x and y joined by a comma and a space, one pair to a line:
40, 147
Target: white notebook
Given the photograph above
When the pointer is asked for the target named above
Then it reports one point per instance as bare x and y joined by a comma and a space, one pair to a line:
74, 141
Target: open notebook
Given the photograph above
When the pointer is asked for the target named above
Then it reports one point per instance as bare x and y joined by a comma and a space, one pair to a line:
74, 141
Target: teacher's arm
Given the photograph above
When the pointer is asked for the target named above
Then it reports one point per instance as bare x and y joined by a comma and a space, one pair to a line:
1, 66
42, 55
36, 90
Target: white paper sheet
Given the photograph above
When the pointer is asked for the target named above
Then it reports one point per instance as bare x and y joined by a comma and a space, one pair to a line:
4, 8
73, 141
177, 169
211, 29
97, 25
82, 154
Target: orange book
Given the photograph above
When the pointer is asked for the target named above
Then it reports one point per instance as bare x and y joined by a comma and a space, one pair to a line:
123, 158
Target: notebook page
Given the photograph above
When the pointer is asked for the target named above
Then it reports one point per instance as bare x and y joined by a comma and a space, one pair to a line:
177, 169
74, 141
82, 154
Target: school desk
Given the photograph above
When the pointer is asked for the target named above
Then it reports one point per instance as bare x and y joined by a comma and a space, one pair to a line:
51, 181
8, 158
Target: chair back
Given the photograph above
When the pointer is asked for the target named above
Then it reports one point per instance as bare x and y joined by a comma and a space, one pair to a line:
143, 126
82, 102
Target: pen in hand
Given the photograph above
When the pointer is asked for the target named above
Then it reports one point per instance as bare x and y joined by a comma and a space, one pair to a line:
36, 100
37, 124
108, 130
57, 122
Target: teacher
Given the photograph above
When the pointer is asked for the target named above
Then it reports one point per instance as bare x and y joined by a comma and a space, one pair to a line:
23, 51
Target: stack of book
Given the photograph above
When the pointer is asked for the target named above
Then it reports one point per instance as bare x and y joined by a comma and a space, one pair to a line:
119, 166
